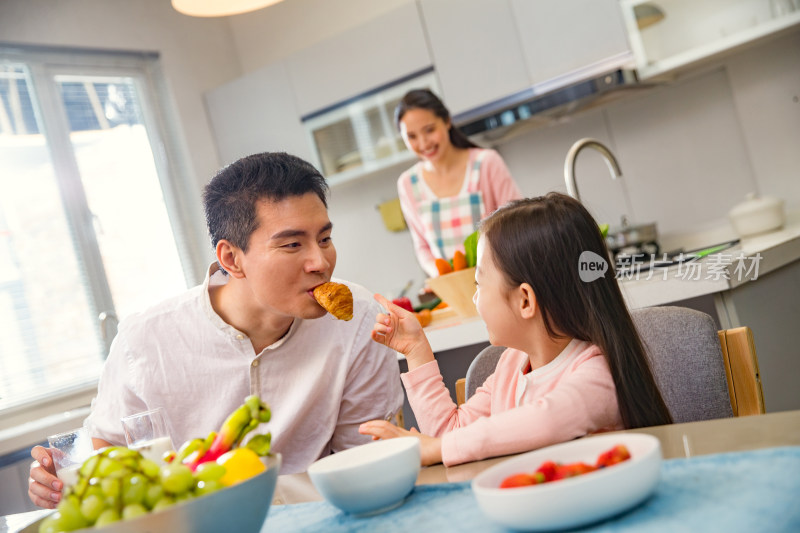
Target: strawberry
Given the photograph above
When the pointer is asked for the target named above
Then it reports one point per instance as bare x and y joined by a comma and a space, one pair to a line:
403, 302
518, 480
615, 455
573, 469
548, 469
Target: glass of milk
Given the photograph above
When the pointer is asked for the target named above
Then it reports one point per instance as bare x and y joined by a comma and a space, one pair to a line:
148, 433
69, 450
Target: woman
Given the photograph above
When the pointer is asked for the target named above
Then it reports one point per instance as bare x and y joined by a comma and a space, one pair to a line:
453, 186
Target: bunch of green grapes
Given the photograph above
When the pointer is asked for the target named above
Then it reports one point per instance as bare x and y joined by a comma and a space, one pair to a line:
117, 483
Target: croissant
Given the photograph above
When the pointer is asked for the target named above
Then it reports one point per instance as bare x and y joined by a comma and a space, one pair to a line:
336, 298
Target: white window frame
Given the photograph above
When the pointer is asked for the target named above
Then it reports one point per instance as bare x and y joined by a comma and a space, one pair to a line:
29, 422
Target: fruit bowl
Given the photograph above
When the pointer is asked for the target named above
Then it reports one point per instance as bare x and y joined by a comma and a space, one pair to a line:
574, 501
241, 508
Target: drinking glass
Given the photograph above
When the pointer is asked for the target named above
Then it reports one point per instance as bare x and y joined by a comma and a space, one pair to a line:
70, 449
147, 432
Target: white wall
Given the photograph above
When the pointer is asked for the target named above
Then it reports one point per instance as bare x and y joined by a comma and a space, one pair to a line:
197, 54
267, 35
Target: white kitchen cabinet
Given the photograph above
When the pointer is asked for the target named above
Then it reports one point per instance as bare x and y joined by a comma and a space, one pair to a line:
476, 51
359, 137
256, 113
559, 37
688, 31
361, 59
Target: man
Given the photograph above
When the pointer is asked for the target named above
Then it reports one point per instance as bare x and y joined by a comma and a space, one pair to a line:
253, 327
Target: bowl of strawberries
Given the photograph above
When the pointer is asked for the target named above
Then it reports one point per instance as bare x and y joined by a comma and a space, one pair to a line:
571, 484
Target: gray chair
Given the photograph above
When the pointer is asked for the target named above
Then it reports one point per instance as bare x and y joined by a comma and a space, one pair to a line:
686, 359
481, 368
684, 351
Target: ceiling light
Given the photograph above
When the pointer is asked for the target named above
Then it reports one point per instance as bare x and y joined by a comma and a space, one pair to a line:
219, 8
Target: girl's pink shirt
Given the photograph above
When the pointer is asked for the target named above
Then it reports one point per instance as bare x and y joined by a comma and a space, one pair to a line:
571, 397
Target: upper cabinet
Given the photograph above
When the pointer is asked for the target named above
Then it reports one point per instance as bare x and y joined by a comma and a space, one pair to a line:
256, 113
359, 137
562, 36
668, 34
487, 50
389, 47
476, 51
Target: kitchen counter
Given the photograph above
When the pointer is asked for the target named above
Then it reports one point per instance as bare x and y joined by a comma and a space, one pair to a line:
455, 332
767, 253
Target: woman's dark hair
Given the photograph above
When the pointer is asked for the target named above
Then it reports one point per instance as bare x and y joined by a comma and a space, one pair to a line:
229, 199
539, 241
425, 99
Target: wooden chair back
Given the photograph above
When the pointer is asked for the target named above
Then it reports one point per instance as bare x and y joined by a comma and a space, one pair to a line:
741, 370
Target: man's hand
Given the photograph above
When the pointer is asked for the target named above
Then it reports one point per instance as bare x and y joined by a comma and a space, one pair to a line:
44, 488
430, 447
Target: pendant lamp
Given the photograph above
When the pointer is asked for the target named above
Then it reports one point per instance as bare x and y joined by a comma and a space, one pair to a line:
219, 8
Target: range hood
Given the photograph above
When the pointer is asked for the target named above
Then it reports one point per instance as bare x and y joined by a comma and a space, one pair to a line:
552, 100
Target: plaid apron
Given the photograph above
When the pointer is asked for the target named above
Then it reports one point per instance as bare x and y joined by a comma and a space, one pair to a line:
448, 221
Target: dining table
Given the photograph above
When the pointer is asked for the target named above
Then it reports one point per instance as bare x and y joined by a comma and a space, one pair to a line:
729, 474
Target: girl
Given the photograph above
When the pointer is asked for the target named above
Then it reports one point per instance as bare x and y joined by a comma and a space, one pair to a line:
574, 365
453, 186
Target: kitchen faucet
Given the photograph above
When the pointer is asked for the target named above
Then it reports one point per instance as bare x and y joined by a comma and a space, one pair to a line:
572, 155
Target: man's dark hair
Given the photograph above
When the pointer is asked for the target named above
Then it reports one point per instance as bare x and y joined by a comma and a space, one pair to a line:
230, 197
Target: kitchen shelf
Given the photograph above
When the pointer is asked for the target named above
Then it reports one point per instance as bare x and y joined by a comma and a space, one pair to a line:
694, 30
358, 137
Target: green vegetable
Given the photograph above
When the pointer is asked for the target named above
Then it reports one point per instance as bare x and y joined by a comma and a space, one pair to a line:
471, 249
603, 230
428, 305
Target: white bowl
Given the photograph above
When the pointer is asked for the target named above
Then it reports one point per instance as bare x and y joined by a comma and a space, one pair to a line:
757, 215
371, 478
576, 501
241, 508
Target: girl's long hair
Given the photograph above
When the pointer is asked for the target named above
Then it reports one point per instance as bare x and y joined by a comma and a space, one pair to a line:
425, 99
539, 241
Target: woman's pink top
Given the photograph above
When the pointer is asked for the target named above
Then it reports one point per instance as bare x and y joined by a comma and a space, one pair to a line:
487, 178
512, 412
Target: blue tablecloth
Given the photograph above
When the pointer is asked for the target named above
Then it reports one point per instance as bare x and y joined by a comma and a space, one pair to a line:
755, 491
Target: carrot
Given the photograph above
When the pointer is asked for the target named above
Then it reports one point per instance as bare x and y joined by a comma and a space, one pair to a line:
425, 317
459, 260
443, 266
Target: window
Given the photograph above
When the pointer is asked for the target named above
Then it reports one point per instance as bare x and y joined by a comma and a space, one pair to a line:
95, 220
